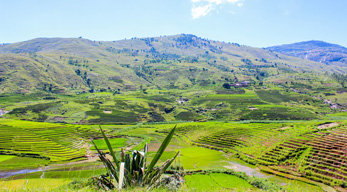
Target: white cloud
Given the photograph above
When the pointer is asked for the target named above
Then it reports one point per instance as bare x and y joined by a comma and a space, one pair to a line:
200, 11
233, 1
216, 1
203, 7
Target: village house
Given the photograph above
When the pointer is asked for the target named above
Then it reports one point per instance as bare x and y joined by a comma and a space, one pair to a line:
240, 84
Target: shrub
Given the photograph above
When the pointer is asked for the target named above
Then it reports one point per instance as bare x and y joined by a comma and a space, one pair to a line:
131, 170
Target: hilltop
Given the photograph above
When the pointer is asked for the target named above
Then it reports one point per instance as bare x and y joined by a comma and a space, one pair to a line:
318, 51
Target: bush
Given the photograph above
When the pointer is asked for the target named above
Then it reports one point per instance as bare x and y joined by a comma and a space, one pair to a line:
131, 170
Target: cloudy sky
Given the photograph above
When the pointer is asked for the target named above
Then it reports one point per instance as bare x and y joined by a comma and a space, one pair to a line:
258, 23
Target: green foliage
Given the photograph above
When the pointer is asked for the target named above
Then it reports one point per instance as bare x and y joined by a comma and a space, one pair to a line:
6, 157
272, 96
289, 148
226, 86
16, 163
129, 64
201, 182
193, 158
341, 79
230, 181
133, 168
43, 140
217, 180
115, 143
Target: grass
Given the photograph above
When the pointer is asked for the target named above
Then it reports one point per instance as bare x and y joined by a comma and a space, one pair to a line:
273, 96
230, 181
161, 105
16, 163
59, 174
301, 186
6, 157
33, 184
199, 182
201, 158
341, 114
115, 143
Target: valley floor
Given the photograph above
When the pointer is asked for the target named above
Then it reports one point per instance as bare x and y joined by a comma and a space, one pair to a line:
233, 156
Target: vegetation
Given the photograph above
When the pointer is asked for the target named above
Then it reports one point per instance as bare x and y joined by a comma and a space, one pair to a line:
244, 115
91, 66
265, 144
131, 171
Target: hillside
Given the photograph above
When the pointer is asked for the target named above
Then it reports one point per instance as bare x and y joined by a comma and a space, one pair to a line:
244, 114
318, 51
79, 65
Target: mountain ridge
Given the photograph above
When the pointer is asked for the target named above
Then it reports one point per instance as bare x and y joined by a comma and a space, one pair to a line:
185, 60
315, 50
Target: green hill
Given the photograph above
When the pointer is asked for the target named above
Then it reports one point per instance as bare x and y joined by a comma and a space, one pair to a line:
169, 78
318, 51
77, 65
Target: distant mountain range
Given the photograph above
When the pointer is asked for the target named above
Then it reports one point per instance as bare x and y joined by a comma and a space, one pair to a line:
62, 65
318, 51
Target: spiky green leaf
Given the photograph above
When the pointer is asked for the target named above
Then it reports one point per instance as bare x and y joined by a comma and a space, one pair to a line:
110, 148
160, 151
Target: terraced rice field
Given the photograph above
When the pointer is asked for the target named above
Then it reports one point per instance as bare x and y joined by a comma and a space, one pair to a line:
320, 156
299, 149
217, 182
56, 142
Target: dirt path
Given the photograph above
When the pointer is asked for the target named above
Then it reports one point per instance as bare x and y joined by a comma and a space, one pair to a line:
327, 125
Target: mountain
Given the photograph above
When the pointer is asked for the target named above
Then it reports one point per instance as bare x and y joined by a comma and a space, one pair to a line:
69, 65
318, 51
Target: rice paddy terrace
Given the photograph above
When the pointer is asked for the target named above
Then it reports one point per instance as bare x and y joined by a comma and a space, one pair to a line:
311, 154
55, 142
305, 150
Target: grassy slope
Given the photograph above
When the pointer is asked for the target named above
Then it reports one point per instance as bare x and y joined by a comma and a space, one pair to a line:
27, 66
161, 105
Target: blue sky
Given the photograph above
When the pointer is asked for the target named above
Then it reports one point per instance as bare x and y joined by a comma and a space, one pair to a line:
258, 23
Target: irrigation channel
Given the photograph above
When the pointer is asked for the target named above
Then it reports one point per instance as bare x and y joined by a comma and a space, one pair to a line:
18, 172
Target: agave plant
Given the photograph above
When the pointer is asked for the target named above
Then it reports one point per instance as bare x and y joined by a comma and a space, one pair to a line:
131, 169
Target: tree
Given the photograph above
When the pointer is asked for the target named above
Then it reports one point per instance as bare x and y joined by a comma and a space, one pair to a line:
88, 82
50, 87
226, 86
78, 72
85, 75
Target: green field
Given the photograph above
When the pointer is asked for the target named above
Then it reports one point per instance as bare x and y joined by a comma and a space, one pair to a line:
115, 143
201, 158
290, 149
